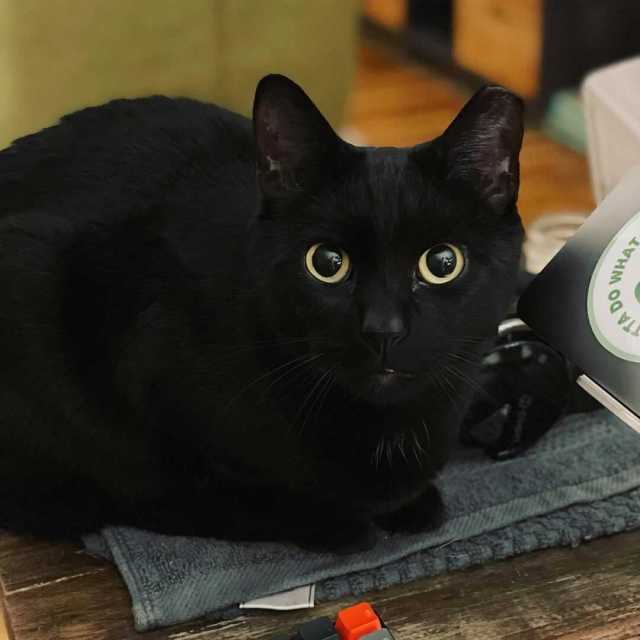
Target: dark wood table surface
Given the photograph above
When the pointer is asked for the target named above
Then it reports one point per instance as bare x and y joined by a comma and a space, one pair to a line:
57, 592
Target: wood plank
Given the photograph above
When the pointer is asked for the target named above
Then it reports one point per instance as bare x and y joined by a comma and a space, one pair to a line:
409, 95
88, 607
4, 632
25, 562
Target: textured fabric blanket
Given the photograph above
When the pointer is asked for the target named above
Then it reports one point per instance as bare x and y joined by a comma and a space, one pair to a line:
581, 481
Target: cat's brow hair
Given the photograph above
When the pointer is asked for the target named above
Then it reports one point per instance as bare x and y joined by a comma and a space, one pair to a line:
386, 169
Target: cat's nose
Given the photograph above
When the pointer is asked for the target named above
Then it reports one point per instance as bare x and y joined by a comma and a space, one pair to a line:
380, 343
381, 331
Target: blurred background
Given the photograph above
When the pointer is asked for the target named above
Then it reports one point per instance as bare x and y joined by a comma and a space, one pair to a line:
385, 72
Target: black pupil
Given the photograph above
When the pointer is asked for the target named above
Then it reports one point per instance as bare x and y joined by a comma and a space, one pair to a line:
327, 260
441, 260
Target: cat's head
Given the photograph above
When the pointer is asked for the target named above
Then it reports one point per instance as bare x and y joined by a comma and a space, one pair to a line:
395, 264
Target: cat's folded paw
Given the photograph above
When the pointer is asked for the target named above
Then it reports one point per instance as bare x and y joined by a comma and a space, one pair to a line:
341, 538
424, 514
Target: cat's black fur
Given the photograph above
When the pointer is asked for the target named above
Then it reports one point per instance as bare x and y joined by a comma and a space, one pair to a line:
168, 361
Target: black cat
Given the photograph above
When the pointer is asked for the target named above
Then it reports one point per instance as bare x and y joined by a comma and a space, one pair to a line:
191, 345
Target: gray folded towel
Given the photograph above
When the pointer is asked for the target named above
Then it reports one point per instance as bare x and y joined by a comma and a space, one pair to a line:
581, 481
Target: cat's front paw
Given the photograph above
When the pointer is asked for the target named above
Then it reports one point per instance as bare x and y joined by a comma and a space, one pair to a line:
424, 514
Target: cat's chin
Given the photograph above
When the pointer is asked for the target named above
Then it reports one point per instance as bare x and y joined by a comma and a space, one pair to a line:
388, 387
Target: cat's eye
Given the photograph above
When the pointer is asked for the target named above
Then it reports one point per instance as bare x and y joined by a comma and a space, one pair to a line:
327, 263
441, 264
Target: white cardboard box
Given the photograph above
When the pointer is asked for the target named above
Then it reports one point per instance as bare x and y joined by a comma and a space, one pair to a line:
612, 112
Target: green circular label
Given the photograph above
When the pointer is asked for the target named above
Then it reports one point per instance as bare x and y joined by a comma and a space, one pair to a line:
614, 294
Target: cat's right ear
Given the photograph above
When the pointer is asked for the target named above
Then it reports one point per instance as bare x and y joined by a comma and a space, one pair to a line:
295, 145
481, 147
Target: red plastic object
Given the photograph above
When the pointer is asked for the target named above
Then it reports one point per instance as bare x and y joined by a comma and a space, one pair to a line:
355, 622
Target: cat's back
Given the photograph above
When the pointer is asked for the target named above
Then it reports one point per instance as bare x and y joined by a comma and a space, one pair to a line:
133, 192
125, 155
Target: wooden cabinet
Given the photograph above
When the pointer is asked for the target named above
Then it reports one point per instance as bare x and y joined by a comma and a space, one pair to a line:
390, 14
500, 40
533, 47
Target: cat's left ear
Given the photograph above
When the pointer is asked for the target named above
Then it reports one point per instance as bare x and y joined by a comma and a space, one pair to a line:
295, 144
482, 145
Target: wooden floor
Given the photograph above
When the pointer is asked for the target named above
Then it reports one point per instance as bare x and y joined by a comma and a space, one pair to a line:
4, 633
56, 592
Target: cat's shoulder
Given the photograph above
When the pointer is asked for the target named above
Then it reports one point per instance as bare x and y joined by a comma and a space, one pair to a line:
128, 152
179, 121
157, 110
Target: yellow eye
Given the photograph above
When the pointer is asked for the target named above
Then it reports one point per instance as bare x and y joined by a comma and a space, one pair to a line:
441, 264
327, 263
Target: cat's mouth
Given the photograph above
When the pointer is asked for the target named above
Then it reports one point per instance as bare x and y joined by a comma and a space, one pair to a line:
385, 385
387, 380
395, 373
380, 381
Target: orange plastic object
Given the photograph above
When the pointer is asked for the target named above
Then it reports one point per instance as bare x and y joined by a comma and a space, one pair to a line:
355, 622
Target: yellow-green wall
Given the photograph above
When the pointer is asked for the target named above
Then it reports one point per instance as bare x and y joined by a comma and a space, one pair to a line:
57, 56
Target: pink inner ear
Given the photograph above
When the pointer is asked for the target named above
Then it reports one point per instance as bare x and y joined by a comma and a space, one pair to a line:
274, 145
503, 167
291, 136
499, 179
268, 133
277, 152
